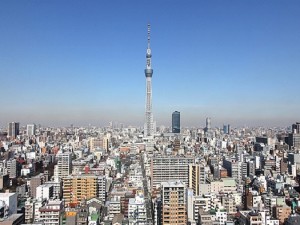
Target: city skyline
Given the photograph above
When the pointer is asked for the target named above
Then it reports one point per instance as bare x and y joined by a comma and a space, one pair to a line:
82, 63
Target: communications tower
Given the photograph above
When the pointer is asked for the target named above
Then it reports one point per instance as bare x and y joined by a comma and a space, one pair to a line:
149, 125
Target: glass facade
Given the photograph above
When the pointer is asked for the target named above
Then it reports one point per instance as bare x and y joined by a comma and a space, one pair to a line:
176, 122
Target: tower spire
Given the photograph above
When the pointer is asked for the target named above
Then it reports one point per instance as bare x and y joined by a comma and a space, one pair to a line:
149, 29
148, 55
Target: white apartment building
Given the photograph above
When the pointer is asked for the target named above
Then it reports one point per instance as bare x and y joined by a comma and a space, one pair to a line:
114, 207
44, 191
30, 131
36, 207
29, 210
64, 165
10, 200
56, 188
170, 168
136, 209
101, 186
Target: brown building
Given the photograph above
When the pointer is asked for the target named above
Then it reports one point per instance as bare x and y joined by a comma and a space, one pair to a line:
194, 174
247, 198
35, 182
176, 146
174, 205
125, 201
78, 188
282, 213
283, 165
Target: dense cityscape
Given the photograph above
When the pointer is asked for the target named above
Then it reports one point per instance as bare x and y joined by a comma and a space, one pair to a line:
113, 175
151, 174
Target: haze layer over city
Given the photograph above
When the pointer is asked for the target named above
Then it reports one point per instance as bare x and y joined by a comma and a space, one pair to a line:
82, 62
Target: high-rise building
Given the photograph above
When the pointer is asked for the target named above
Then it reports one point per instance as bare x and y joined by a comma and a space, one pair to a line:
51, 213
35, 182
149, 125
225, 129
176, 122
13, 129
174, 203
10, 200
208, 124
83, 186
31, 130
136, 209
64, 165
12, 165
57, 190
165, 168
29, 209
196, 176
44, 191
235, 168
294, 137
296, 128
228, 128
98, 142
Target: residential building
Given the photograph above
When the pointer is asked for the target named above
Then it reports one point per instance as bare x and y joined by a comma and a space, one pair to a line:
174, 203
164, 168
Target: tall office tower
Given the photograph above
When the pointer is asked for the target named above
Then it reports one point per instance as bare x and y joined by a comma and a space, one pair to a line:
208, 123
165, 168
13, 129
176, 122
174, 203
294, 137
149, 125
64, 165
296, 128
225, 129
31, 129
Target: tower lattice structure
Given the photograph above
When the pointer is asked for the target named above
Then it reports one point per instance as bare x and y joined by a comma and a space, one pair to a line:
149, 125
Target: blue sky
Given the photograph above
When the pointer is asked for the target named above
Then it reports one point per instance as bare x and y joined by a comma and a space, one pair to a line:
82, 62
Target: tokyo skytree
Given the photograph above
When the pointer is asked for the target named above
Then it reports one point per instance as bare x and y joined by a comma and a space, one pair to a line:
149, 124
